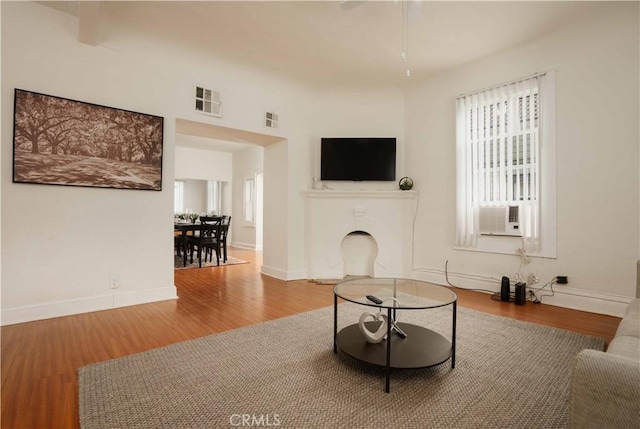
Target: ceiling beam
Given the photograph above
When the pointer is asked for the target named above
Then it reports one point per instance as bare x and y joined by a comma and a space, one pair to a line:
88, 20
217, 132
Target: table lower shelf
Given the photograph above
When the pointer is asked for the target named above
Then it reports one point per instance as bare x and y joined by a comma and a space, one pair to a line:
422, 348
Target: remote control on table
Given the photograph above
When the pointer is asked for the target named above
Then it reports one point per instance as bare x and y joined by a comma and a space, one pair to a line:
399, 331
374, 299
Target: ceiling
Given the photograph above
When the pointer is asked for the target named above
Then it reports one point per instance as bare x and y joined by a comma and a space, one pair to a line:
328, 42
334, 42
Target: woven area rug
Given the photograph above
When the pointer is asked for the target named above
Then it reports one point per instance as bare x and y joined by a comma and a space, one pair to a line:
508, 374
178, 262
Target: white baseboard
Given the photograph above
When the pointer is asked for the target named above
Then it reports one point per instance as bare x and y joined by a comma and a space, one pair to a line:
245, 246
326, 275
577, 299
144, 296
282, 274
593, 302
30, 313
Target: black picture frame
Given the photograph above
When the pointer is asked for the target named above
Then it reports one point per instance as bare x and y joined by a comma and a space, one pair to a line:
59, 141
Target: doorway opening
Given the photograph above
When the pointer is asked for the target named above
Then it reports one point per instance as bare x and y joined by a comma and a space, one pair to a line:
239, 157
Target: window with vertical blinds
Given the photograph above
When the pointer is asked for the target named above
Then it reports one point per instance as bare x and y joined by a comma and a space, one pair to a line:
500, 133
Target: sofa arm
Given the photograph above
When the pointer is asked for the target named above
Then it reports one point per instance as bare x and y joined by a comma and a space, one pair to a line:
605, 391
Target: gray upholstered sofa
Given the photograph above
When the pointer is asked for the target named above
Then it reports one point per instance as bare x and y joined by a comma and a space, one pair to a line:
605, 387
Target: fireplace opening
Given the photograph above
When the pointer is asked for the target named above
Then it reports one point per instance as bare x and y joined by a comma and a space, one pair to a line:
359, 251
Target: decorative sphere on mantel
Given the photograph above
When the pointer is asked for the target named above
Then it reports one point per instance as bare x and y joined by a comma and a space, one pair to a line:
405, 184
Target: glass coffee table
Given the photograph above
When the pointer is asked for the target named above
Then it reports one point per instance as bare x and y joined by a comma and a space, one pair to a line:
403, 345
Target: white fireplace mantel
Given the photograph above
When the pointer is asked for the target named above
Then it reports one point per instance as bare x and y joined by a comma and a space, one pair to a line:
362, 194
333, 214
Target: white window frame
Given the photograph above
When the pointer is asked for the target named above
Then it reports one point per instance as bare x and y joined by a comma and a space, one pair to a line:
249, 206
546, 194
214, 197
178, 196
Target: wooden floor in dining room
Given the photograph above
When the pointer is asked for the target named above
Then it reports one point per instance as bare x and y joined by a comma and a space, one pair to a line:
40, 359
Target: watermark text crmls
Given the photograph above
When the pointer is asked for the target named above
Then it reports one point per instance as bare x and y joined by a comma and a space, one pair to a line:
255, 420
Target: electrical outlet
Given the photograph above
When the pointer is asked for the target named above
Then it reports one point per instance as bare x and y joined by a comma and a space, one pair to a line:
532, 279
114, 281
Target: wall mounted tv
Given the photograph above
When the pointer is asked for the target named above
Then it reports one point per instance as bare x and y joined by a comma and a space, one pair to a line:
361, 158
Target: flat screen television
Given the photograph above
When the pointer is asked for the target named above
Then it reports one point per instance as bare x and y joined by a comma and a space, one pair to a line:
358, 158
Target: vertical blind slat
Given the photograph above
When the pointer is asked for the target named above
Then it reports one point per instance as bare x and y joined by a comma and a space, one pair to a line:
494, 144
503, 146
475, 150
470, 182
526, 98
485, 142
518, 122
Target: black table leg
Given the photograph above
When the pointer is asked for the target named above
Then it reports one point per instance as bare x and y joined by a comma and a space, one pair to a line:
453, 336
335, 323
184, 247
386, 387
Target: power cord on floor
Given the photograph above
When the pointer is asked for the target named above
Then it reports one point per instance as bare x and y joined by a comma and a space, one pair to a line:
496, 296
446, 275
538, 299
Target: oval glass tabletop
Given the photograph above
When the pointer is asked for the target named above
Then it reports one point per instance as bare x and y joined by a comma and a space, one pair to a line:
395, 293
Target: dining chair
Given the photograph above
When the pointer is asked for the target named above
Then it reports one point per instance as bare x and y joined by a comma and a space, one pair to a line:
224, 232
210, 249
207, 239
178, 243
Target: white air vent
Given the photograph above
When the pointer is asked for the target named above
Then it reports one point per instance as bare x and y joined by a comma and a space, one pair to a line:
502, 220
208, 102
271, 120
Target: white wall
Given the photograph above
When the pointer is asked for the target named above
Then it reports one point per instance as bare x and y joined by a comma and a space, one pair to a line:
597, 67
61, 245
246, 164
327, 112
359, 113
206, 165
275, 254
339, 112
64, 265
203, 164
195, 196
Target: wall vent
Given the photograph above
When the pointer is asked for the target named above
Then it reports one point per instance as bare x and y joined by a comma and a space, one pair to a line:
208, 101
271, 120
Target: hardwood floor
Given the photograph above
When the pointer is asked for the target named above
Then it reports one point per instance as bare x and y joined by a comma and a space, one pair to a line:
40, 359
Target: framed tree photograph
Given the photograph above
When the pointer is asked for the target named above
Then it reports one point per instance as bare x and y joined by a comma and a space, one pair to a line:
57, 141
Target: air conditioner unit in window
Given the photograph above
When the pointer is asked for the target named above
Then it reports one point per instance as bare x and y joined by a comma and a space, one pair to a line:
500, 220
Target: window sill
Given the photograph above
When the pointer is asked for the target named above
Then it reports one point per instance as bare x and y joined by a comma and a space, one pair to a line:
505, 245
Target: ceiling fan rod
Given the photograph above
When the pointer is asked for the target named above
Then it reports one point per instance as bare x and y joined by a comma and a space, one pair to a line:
405, 36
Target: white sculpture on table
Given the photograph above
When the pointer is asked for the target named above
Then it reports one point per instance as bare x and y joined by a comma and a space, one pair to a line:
381, 333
